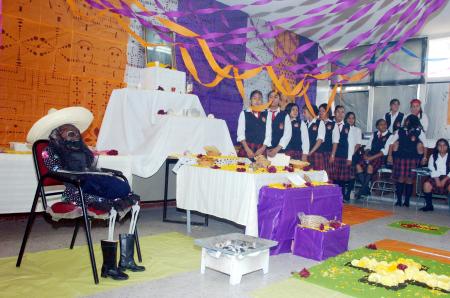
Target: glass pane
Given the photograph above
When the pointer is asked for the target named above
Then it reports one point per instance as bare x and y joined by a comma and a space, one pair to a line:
358, 103
383, 96
439, 59
161, 54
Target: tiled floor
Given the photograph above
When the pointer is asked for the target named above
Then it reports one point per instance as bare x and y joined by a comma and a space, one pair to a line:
214, 284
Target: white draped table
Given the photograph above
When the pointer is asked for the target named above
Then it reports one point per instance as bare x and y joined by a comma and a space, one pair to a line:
226, 194
132, 126
18, 179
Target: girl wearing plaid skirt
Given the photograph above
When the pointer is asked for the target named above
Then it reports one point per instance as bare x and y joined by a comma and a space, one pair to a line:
409, 154
439, 181
251, 132
341, 155
299, 133
327, 146
350, 119
374, 157
315, 135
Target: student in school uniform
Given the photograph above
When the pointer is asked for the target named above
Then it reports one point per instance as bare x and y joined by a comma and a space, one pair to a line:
279, 128
315, 136
341, 155
394, 117
327, 146
410, 152
299, 141
374, 157
439, 181
415, 108
350, 119
251, 132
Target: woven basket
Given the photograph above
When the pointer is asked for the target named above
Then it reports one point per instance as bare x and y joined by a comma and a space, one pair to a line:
311, 221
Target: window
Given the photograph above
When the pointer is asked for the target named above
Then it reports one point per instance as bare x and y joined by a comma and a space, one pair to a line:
439, 60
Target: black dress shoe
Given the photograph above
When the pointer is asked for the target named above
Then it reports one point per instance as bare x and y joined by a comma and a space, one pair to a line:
427, 208
406, 204
398, 203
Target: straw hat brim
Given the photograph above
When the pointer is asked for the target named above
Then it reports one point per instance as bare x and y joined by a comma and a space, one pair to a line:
78, 116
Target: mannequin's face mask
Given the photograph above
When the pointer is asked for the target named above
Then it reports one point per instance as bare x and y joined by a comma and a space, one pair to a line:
71, 137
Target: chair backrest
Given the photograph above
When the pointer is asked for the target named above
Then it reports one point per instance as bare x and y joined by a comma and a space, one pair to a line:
38, 147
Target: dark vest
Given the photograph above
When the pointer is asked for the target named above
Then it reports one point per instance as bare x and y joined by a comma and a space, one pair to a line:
327, 144
342, 148
278, 128
313, 131
407, 147
296, 139
377, 143
255, 128
397, 123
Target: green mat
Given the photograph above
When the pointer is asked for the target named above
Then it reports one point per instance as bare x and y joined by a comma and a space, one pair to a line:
68, 273
419, 227
333, 278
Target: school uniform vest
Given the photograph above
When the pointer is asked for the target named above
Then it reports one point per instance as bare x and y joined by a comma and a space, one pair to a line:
327, 144
296, 139
313, 131
378, 143
278, 128
397, 122
407, 144
342, 148
255, 128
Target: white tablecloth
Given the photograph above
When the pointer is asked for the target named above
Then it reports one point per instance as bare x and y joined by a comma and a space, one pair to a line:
18, 179
131, 126
226, 194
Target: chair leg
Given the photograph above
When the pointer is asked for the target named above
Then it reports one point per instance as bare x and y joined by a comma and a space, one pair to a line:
75, 233
138, 246
87, 227
30, 222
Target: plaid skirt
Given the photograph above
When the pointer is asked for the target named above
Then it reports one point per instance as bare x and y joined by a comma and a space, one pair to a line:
317, 161
403, 167
294, 154
252, 146
439, 190
376, 163
340, 170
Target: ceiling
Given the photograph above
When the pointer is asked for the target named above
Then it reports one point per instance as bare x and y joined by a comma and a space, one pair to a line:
437, 25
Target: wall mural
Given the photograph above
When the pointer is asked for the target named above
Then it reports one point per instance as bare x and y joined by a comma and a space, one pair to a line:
55, 56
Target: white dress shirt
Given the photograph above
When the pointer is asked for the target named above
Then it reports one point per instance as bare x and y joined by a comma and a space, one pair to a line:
389, 141
320, 134
241, 126
351, 142
441, 165
287, 133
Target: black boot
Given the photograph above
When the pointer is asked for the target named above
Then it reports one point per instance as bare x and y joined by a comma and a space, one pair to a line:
429, 202
127, 254
365, 190
109, 267
399, 193
408, 193
349, 186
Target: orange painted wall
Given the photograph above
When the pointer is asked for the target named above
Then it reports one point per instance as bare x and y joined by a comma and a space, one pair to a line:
53, 54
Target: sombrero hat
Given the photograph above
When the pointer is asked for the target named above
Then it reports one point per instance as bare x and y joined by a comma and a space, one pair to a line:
78, 116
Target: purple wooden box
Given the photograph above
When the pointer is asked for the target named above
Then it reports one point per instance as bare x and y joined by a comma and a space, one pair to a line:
316, 245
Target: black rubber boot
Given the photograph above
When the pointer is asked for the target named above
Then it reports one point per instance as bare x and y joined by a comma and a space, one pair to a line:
429, 203
408, 193
399, 193
109, 267
127, 254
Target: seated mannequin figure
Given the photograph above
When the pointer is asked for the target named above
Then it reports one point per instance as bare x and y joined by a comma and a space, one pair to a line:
68, 153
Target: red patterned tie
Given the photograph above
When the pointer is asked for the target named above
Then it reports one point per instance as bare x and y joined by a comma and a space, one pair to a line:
273, 115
